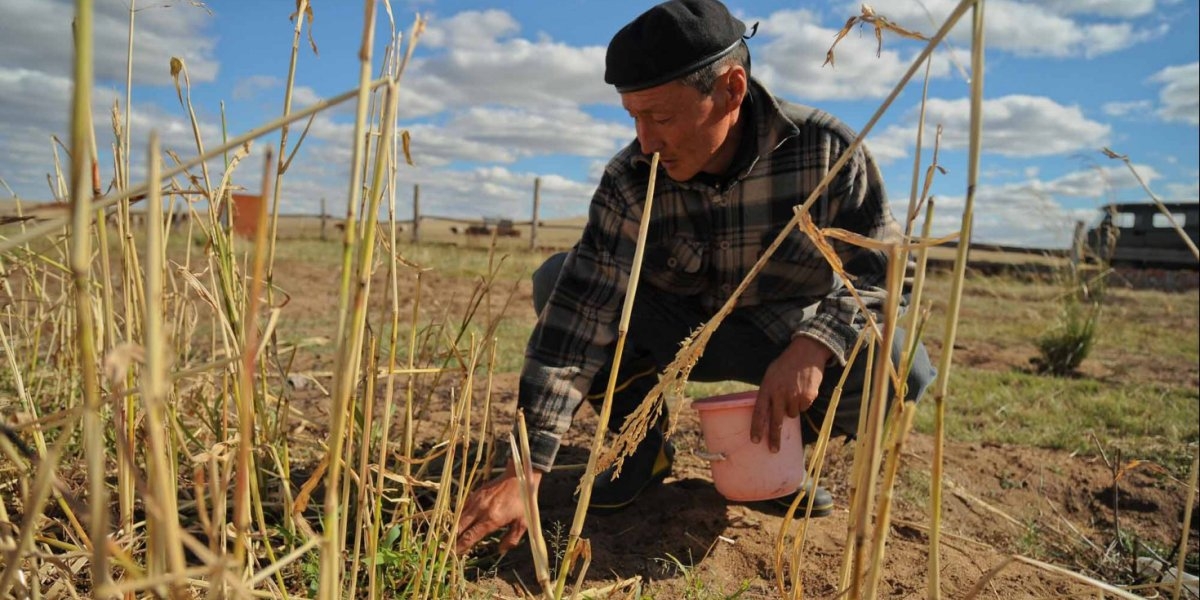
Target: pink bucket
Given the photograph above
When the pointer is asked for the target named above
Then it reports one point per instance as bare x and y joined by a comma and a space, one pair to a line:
743, 471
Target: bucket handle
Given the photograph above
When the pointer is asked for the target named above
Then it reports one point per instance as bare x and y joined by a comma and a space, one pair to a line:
709, 456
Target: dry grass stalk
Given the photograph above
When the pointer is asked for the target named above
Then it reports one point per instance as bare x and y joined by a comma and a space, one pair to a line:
81, 255
861, 461
960, 266
816, 463
593, 468
537, 541
1100, 586
872, 437
1181, 551
879, 22
303, 10
166, 550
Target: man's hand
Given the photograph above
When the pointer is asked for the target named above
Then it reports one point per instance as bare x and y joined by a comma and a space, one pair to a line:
497, 504
789, 387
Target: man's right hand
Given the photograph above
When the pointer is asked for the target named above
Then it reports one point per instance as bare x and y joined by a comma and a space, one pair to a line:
497, 504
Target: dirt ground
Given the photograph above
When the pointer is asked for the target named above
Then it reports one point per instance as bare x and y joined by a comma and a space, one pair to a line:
998, 499
683, 540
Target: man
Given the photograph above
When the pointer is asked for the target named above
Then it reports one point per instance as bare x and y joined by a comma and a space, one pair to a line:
736, 161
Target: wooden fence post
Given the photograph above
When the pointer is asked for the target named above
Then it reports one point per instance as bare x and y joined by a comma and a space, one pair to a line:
416, 219
537, 203
324, 219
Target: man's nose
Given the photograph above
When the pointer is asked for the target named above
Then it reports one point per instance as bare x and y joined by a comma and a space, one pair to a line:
649, 142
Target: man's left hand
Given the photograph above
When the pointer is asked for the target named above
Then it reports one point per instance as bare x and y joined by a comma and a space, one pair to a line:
789, 387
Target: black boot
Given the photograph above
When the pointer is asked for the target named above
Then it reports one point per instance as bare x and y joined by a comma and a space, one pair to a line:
822, 500
649, 464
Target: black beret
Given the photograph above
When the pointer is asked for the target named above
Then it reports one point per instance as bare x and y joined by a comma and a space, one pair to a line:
669, 41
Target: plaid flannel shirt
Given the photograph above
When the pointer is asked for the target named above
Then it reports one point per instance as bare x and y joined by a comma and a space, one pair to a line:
702, 241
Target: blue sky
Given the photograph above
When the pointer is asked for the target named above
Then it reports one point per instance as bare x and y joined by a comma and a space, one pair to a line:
501, 93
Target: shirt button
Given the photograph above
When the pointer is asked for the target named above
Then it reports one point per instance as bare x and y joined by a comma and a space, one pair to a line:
726, 288
672, 262
725, 244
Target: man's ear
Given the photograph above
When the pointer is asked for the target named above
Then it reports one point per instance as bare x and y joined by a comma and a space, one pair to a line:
734, 87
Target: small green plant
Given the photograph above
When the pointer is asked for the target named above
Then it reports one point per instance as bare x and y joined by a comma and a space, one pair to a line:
696, 588
1062, 349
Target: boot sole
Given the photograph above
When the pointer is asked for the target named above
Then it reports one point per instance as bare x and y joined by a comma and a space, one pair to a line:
818, 510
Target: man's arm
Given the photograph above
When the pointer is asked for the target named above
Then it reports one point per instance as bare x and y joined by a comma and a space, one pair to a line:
793, 380
497, 504
568, 346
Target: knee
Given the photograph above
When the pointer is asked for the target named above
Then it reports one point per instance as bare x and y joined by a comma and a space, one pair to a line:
920, 375
544, 279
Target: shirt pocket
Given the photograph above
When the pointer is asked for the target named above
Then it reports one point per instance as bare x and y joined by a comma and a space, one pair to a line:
678, 265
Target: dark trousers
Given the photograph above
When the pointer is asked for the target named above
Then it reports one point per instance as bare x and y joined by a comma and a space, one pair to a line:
737, 351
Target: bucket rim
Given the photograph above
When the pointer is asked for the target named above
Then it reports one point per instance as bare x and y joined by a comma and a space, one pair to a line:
732, 400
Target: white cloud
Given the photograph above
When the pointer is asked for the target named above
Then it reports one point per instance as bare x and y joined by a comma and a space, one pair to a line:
36, 34
1010, 214
1029, 28
1030, 213
1180, 96
1182, 192
1017, 125
250, 87
1096, 182
1103, 8
37, 108
790, 49
498, 135
1122, 109
481, 60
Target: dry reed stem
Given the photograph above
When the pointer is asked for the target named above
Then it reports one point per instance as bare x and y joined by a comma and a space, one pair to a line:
911, 213
879, 23
356, 161
589, 476
816, 465
303, 9
913, 321
952, 311
858, 465
1100, 586
178, 66
389, 388
81, 212
860, 513
246, 406
537, 541
350, 342
124, 141
166, 549
1181, 551
901, 428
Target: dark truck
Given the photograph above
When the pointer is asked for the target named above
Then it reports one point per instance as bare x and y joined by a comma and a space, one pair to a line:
1140, 235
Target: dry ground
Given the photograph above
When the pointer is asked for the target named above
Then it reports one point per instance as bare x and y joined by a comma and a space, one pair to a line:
684, 540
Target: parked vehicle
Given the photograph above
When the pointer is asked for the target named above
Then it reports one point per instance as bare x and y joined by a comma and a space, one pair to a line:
1140, 235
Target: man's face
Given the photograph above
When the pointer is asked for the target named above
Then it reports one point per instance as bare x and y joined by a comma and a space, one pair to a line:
686, 127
